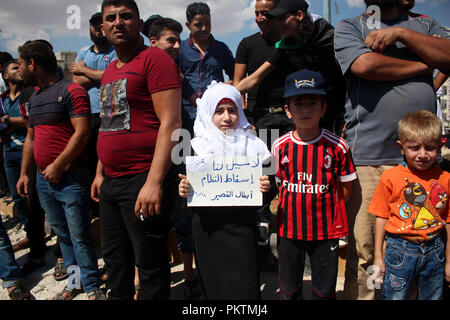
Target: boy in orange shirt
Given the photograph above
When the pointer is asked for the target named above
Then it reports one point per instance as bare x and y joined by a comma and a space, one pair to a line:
411, 205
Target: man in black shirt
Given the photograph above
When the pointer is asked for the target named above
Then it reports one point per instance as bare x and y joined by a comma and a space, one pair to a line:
265, 102
307, 42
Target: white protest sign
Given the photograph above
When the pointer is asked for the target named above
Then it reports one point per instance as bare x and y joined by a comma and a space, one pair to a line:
224, 181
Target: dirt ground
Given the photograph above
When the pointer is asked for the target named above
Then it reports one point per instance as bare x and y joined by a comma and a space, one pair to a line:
44, 287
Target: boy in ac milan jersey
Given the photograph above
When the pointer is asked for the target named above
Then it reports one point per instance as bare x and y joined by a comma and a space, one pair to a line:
316, 171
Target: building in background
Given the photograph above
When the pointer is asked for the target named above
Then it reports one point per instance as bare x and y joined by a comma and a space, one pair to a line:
65, 59
444, 96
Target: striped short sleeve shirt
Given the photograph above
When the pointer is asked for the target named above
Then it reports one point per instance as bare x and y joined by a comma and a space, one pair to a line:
311, 201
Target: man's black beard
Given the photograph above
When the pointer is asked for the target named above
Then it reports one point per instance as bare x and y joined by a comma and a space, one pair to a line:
99, 41
18, 83
383, 4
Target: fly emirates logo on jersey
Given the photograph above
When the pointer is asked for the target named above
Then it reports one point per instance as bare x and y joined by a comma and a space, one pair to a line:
305, 185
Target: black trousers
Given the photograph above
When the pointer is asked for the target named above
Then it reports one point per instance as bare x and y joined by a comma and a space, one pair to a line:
323, 256
128, 241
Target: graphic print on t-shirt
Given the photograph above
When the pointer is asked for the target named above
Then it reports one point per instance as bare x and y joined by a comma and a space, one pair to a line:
114, 107
416, 211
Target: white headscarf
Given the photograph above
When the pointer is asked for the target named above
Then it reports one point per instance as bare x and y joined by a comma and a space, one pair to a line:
210, 140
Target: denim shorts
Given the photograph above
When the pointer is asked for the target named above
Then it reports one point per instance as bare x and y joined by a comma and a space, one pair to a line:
407, 262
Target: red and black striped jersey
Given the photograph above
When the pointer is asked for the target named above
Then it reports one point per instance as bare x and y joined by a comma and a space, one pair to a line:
311, 201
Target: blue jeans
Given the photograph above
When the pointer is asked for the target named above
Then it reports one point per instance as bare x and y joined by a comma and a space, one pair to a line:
66, 206
9, 270
12, 163
407, 261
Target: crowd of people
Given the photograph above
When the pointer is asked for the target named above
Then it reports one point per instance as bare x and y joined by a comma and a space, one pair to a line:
349, 115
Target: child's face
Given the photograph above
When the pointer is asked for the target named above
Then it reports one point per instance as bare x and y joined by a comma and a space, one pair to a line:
200, 27
420, 155
226, 117
306, 110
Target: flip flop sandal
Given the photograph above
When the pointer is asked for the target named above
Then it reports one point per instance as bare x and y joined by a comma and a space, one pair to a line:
70, 294
60, 272
98, 294
20, 293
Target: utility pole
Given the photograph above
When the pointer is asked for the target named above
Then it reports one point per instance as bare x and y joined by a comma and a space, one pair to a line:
326, 10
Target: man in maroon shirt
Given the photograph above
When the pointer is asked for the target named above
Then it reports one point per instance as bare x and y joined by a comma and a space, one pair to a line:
140, 107
58, 131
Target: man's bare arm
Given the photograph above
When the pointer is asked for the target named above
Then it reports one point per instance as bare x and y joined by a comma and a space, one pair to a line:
167, 106
240, 71
84, 76
375, 66
27, 163
253, 80
439, 80
434, 51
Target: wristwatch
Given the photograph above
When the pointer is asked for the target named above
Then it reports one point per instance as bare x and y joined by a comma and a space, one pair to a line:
7, 120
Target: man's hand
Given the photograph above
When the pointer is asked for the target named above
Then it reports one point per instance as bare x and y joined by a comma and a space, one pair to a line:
2, 120
53, 173
22, 186
77, 68
149, 200
379, 40
95, 188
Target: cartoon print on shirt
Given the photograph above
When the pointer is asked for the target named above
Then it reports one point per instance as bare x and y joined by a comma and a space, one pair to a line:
414, 193
438, 195
417, 210
405, 211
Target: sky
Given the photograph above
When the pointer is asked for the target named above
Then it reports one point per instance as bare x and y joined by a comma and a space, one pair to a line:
65, 22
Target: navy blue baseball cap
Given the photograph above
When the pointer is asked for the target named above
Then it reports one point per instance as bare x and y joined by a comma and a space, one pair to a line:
304, 82
285, 6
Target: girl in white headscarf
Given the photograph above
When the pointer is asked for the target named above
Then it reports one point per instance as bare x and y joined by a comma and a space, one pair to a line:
225, 237
218, 139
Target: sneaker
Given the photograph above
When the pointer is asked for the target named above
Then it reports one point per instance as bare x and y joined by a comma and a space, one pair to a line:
343, 242
263, 234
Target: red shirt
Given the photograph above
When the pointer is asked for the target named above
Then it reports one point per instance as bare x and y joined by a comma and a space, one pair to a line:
50, 112
311, 205
129, 125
